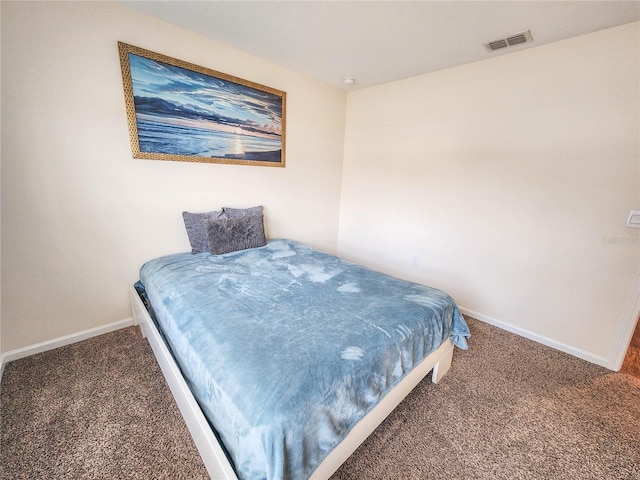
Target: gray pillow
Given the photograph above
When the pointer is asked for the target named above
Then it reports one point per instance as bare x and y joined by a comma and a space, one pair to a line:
197, 229
233, 234
240, 212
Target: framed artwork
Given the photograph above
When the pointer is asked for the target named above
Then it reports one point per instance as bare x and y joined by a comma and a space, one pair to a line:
183, 112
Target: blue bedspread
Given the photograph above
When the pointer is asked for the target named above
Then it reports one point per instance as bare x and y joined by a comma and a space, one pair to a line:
287, 348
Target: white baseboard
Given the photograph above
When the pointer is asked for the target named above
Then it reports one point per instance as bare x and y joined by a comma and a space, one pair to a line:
62, 341
576, 352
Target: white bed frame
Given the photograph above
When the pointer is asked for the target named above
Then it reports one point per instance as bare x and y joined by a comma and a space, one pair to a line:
210, 450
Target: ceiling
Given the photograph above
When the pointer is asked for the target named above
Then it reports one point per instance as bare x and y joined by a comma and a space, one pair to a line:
382, 41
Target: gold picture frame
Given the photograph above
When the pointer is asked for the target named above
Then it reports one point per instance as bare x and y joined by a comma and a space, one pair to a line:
183, 112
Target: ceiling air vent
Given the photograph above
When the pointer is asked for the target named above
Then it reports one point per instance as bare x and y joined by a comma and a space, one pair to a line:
509, 41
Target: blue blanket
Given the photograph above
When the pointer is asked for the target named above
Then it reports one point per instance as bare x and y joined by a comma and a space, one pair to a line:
286, 348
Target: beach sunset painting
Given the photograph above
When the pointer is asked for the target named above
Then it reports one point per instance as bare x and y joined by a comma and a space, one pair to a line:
184, 112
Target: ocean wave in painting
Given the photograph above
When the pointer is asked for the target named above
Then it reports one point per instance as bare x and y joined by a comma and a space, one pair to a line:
157, 137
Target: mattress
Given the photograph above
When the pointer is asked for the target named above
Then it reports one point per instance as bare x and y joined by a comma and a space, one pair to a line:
286, 348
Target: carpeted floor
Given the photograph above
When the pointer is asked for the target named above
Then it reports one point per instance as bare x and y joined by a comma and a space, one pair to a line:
97, 409
508, 409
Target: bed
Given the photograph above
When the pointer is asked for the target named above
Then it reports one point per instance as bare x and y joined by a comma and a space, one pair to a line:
282, 358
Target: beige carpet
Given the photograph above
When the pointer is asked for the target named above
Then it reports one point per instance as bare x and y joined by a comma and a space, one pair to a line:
98, 409
508, 409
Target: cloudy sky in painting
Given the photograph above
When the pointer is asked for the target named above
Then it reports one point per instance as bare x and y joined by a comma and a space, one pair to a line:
170, 94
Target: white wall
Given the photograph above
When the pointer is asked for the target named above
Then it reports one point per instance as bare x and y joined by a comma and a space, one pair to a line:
79, 214
510, 181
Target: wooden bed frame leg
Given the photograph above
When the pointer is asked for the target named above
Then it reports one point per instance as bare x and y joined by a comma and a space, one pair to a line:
442, 367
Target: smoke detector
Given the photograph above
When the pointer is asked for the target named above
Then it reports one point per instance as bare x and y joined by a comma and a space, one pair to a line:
509, 41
